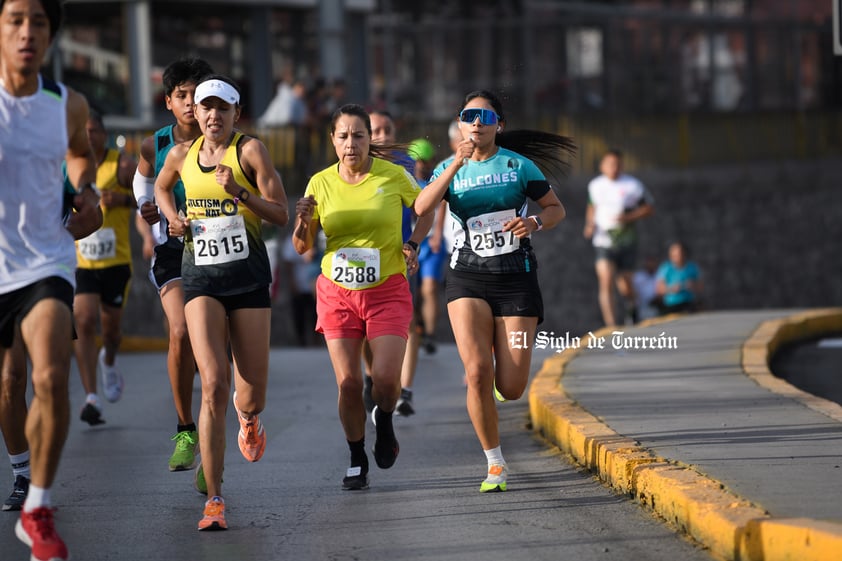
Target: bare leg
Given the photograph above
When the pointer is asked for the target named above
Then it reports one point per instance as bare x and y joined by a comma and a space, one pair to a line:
181, 367
13, 397
605, 273
473, 329
47, 334
207, 325
86, 315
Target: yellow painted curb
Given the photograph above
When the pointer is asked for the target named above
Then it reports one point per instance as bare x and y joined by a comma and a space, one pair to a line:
774, 334
730, 526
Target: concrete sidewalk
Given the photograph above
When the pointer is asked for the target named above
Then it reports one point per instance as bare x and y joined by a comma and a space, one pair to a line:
699, 430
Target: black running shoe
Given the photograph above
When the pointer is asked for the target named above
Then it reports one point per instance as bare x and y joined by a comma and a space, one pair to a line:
92, 415
355, 479
404, 407
386, 446
18, 496
429, 345
385, 453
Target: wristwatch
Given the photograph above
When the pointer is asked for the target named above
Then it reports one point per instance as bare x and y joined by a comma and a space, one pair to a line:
243, 195
538, 222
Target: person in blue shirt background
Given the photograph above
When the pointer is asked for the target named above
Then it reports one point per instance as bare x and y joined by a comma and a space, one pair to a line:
679, 281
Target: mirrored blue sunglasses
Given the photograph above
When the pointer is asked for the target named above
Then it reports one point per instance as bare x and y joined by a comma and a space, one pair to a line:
486, 116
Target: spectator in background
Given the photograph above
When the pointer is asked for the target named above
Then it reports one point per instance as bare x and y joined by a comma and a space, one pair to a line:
644, 282
288, 107
338, 95
679, 281
300, 273
616, 201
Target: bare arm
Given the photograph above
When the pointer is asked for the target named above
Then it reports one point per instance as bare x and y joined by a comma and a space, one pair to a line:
304, 234
146, 172
637, 213
164, 184
552, 212
437, 236
432, 194
272, 204
81, 169
126, 166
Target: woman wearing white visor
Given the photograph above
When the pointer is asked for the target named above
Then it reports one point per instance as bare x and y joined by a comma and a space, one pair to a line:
231, 186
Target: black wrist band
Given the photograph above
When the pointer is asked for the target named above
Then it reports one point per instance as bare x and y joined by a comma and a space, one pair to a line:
413, 245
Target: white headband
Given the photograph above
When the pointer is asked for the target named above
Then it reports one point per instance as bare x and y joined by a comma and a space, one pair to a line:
216, 88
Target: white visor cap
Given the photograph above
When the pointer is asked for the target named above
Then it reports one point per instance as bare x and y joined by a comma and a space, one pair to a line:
216, 88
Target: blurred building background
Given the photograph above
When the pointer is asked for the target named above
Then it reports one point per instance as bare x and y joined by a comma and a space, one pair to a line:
731, 110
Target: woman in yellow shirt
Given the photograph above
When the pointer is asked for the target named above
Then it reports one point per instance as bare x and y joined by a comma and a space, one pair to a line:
230, 186
362, 291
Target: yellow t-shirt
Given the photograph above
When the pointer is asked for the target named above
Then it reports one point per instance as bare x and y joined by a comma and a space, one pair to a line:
110, 245
362, 223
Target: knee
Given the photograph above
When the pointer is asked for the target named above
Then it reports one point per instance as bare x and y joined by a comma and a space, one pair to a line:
387, 385
50, 383
215, 394
178, 334
351, 385
85, 323
478, 374
12, 381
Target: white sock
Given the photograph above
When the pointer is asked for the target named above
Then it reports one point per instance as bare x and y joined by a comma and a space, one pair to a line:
495, 456
37, 497
20, 464
93, 399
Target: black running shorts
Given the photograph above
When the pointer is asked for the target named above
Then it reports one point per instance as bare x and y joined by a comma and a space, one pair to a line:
15, 305
508, 294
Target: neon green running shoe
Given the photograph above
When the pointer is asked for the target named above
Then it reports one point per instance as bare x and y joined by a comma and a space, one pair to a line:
186, 448
498, 395
199, 482
496, 479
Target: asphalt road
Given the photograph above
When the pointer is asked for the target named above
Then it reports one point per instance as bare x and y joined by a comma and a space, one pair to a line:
117, 501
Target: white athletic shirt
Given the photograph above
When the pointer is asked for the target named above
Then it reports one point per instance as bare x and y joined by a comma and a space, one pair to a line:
610, 198
34, 244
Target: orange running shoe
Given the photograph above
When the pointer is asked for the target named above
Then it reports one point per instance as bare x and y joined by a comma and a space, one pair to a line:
252, 436
214, 515
36, 529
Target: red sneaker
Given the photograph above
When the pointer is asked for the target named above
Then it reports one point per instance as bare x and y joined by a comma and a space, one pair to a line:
36, 529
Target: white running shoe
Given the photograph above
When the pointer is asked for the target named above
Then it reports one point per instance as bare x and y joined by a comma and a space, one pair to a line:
112, 381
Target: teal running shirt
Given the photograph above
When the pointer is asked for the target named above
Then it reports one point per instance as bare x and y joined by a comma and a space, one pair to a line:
483, 196
164, 141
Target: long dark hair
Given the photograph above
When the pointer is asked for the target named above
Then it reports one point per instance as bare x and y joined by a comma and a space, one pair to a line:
549, 151
384, 151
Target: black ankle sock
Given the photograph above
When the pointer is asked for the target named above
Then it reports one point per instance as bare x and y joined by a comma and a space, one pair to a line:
190, 427
358, 455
